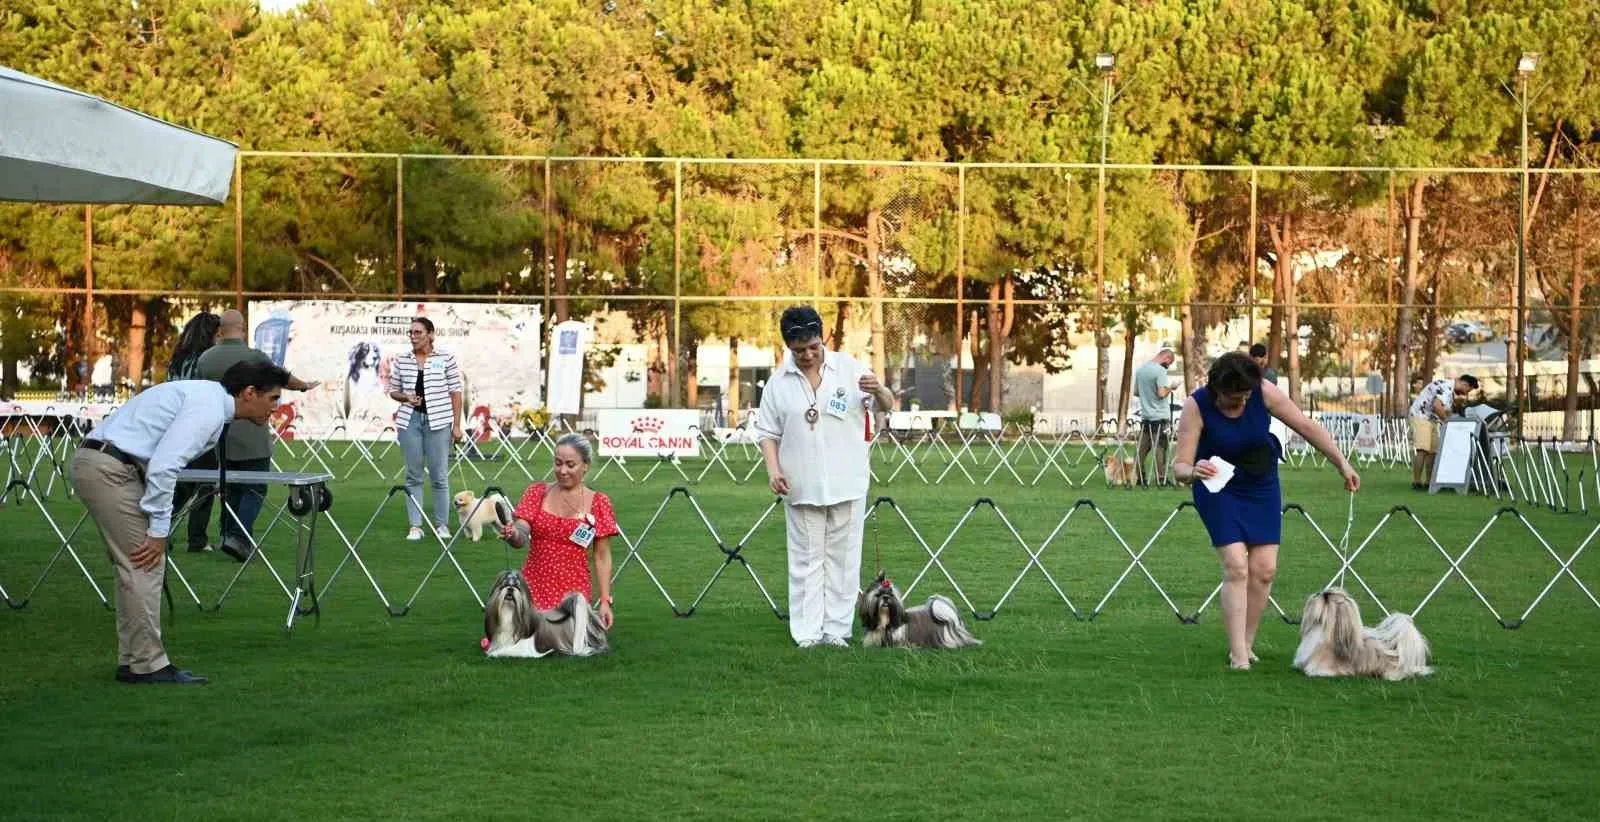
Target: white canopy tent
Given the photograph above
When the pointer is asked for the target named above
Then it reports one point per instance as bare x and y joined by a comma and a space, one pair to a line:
59, 145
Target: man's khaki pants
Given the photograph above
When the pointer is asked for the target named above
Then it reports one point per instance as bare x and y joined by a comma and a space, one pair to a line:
112, 490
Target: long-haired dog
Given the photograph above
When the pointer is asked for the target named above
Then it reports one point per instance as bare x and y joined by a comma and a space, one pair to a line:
513, 627
1121, 471
476, 515
888, 623
1333, 641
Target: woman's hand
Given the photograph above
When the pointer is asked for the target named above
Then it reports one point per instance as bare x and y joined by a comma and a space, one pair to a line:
1352, 480
606, 616
1204, 469
515, 532
456, 432
779, 484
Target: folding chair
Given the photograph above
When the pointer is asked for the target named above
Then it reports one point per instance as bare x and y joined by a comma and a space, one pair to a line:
901, 427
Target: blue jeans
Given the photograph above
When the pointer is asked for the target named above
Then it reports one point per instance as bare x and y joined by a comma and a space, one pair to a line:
246, 502
423, 446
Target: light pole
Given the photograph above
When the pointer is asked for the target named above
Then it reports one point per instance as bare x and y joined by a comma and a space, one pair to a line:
1106, 63
1525, 67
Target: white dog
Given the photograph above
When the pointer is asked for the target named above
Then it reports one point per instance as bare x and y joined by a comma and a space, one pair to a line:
513, 627
476, 516
1333, 641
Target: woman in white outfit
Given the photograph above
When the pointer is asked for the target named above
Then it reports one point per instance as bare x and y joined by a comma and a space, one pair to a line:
813, 428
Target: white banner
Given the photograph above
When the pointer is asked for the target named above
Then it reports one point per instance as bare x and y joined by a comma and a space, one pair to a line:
350, 346
648, 432
568, 341
1367, 428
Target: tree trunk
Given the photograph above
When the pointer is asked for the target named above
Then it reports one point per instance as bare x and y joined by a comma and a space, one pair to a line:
1002, 315
1193, 347
1283, 247
1102, 343
1413, 213
980, 365
732, 403
558, 278
836, 341
875, 292
133, 344
1130, 328
1430, 343
1570, 424
691, 372
1275, 318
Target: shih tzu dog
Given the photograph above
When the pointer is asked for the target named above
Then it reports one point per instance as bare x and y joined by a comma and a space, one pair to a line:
513, 627
1333, 641
888, 623
478, 516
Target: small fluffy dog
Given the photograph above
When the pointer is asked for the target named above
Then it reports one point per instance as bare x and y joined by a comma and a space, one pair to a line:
1121, 470
1334, 643
888, 623
513, 627
478, 517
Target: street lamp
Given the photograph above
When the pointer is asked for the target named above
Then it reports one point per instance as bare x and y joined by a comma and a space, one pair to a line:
1106, 63
1525, 68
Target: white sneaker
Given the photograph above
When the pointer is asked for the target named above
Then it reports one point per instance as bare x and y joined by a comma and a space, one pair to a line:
836, 641
414, 535
807, 643
443, 532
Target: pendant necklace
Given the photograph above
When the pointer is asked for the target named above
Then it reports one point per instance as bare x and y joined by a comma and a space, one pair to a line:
811, 413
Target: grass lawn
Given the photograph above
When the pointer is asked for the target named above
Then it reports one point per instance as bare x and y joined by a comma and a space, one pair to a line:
1128, 715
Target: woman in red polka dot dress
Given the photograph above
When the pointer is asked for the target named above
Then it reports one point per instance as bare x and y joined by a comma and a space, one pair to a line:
560, 525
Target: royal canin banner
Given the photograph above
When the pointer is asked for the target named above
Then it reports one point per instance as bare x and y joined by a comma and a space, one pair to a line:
649, 432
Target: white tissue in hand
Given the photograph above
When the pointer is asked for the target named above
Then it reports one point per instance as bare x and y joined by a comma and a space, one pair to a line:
1224, 473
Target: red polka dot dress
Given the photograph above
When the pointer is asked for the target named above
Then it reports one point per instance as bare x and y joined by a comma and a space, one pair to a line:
557, 566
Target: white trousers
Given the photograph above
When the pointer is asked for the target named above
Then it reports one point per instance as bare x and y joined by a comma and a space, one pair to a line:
824, 568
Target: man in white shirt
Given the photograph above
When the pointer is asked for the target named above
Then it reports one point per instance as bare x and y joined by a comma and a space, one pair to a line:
814, 431
1428, 410
125, 472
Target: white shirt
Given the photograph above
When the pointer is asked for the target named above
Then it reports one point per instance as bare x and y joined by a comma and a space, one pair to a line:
166, 426
440, 378
827, 465
1443, 390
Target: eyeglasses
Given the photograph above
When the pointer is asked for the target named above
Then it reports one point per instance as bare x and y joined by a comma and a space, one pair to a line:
808, 325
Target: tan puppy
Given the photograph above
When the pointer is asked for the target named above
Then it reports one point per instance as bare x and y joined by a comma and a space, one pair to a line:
477, 516
1120, 470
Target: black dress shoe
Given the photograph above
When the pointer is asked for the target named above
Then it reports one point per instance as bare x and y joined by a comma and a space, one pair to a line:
169, 675
123, 672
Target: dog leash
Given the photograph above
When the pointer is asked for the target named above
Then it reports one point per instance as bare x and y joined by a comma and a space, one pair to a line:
1344, 541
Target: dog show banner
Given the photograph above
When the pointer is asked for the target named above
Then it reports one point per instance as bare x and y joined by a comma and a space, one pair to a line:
1367, 428
568, 341
350, 347
649, 432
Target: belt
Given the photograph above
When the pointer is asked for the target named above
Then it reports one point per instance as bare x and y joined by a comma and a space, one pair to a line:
115, 453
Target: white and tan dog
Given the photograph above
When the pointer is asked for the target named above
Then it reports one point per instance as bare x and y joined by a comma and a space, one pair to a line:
514, 628
475, 516
1333, 641
1120, 471
888, 623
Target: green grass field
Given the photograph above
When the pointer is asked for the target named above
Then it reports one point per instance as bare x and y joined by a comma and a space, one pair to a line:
1130, 715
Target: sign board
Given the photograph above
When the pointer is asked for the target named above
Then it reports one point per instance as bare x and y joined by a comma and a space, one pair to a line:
1452, 465
568, 341
1368, 430
350, 346
648, 432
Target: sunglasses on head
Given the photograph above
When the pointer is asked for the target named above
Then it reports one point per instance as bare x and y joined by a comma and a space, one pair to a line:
796, 330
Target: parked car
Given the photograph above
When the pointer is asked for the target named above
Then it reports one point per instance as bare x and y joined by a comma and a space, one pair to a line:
1469, 331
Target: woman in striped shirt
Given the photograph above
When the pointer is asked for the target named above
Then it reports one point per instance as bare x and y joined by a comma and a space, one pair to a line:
427, 384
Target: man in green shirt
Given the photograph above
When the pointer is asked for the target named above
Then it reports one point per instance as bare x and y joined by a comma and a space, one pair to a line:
1154, 387
248, 444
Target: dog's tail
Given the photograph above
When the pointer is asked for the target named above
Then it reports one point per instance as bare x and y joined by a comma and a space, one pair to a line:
953, 632
588, 632
1400, 633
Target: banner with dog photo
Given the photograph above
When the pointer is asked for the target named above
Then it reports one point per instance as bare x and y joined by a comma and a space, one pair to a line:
350, 347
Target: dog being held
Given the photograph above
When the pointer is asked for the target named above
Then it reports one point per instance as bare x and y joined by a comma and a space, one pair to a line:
476, 516
513, 627
888, 623
1333, 641
1121, 471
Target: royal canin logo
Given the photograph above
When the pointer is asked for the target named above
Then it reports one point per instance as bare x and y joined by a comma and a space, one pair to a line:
648, 425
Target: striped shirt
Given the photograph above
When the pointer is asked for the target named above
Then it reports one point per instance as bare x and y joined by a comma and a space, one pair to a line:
440, 379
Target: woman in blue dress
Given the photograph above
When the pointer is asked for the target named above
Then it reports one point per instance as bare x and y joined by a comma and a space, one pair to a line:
1229, 419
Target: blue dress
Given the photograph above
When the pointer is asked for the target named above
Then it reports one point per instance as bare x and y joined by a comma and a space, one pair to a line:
1249, 509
